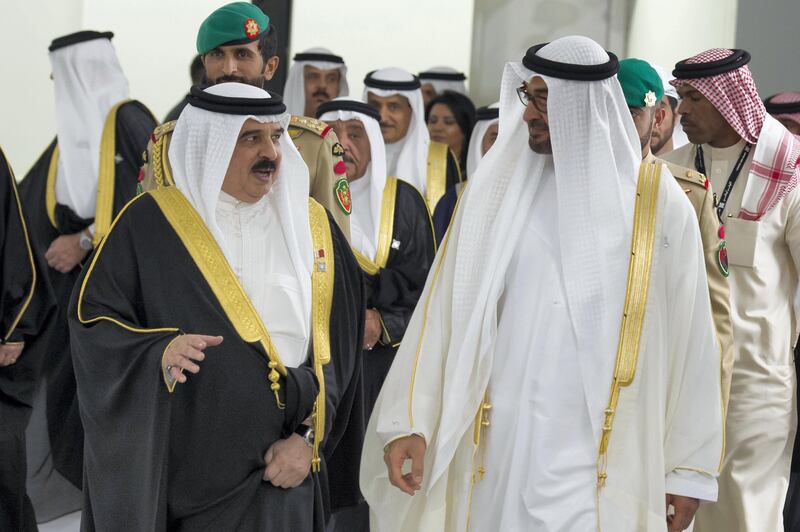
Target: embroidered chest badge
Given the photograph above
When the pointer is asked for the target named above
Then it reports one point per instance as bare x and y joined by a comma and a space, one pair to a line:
342, 190
319, 259
722, 258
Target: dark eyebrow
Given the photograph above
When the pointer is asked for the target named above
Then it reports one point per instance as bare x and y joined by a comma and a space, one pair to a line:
278, 131
249, 132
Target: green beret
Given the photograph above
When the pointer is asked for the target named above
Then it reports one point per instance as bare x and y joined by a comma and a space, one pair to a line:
235, 23
640, 82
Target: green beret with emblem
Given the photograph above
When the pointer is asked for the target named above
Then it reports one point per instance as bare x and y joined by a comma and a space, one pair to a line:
235, 23
640, 82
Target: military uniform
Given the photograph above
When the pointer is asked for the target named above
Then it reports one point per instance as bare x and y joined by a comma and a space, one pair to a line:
317, 144
698, 191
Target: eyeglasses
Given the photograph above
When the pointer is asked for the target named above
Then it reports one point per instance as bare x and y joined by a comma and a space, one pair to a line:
539, 101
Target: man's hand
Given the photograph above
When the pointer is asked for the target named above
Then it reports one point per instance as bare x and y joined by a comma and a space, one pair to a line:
372, 328
65, 252
183, 350
399, 451
288, 462
9, 353
685, 508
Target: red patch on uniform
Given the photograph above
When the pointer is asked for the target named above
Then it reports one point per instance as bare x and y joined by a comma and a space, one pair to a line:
251, 28
339, 168
722, 231
153, 138
321, 253
140, 177
325, 132
706, 184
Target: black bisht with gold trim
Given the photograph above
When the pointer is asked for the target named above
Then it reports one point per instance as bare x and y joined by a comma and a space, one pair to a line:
193, 459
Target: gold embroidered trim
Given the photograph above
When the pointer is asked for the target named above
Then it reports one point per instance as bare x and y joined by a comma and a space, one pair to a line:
106, 176
385, 231
436, 180
322, 281
50, 188
213, 265
167, 377
79, 306
28, 249
480, 424
644, 222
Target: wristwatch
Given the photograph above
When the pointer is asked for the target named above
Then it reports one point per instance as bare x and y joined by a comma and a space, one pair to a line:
307, 433
85, 241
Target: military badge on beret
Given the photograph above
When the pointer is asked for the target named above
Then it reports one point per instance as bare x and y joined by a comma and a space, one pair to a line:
251, 28
342, 190
650, 99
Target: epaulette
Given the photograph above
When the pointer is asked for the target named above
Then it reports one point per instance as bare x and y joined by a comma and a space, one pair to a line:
164, 129
685, 174
308, 124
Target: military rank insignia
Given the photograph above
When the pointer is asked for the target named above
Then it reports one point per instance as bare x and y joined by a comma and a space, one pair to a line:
251, 28
342, 191
337, 150
722, 258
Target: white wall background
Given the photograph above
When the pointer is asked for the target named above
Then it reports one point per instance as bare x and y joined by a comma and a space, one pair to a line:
371, 34
665, 33
155, 41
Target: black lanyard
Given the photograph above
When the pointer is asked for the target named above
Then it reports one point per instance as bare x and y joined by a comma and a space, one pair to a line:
700, 165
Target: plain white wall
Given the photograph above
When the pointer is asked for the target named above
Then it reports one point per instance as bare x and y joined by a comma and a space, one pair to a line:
155, 41
665, 33
413, 34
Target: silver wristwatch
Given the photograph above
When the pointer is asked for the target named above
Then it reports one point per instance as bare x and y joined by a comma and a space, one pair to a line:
85, 241
307, 433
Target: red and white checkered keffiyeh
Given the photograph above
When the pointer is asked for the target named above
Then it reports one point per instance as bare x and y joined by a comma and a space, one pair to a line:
787, 97
774, 172
733, 93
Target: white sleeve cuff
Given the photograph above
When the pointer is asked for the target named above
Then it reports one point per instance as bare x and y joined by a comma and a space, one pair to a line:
695, 484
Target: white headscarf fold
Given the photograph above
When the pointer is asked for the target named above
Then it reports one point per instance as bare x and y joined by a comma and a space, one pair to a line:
474, 154
367, 192
200, 152
88, 81
441, 85
294, 93
406, 159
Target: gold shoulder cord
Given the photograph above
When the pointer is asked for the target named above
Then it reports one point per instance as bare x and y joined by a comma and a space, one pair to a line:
161, 170
385, 232
28, 249
644, 222
209, 258
322, 280
104, 206
436, 180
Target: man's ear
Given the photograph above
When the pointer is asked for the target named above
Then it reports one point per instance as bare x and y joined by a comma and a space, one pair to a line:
660, 115
271, 67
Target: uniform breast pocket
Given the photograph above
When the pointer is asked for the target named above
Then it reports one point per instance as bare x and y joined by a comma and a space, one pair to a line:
742, 241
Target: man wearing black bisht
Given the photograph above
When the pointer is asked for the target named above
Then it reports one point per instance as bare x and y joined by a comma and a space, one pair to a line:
392, 238
71, 195
26, 301
208, 388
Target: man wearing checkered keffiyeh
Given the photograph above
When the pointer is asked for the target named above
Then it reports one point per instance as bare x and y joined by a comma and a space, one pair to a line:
729, 129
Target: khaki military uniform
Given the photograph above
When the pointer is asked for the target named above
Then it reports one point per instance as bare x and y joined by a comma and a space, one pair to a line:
698, 191
317, 144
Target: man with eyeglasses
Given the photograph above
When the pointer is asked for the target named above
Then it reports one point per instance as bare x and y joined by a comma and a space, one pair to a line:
561, 371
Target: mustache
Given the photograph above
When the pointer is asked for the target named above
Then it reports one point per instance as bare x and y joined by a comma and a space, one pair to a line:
537, 124
322, 93
264, 165
346, 158
239, 79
